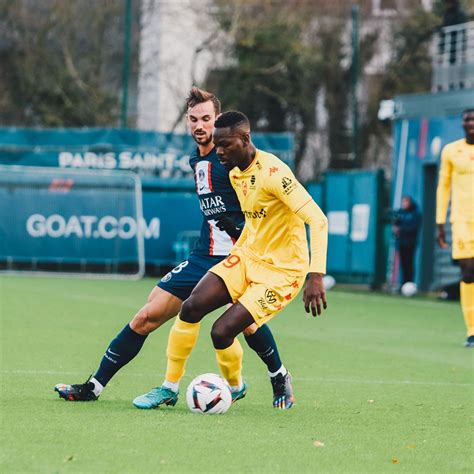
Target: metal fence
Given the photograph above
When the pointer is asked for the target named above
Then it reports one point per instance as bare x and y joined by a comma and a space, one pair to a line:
453, 58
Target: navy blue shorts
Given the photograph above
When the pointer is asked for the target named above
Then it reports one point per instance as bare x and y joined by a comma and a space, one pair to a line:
184, 277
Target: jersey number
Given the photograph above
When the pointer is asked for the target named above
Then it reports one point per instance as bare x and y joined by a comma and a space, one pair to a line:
231, 261
180, 267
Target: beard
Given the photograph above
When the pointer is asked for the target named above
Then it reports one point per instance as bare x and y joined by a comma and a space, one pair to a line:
202, 139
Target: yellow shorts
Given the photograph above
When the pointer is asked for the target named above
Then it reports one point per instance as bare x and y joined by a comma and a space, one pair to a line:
463, 239
261, 288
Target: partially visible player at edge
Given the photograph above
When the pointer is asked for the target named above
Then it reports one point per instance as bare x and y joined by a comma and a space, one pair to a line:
222, 224
456, 182
268, 264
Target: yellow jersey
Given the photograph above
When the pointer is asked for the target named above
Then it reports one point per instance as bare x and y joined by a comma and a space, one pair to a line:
276, 207
456, 181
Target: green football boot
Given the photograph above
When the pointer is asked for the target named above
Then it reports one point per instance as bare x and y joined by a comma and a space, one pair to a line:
238, 394
156, 397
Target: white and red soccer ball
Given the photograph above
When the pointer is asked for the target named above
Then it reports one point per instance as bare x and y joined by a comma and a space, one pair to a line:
209, 394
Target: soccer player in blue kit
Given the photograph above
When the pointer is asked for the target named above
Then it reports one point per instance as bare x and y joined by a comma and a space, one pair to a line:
222, 224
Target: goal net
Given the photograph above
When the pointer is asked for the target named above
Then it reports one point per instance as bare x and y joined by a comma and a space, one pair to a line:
71, 221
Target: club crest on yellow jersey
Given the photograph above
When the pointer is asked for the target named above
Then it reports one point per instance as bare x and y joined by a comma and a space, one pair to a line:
270, 296
288, 185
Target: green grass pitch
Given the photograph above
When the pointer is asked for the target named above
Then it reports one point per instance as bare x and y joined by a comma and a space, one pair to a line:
382, 383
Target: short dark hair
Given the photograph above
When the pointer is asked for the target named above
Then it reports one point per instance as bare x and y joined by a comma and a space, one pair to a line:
467, 111
232, 119
198, 96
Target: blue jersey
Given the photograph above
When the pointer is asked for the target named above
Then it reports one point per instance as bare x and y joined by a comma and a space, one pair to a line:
217, 198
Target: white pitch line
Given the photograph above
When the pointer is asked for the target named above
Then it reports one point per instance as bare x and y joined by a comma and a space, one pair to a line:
384, 382
37, 372
301, 379
398, 299
63, 372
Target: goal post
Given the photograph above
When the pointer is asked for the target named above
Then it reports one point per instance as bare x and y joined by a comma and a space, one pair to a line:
75, 222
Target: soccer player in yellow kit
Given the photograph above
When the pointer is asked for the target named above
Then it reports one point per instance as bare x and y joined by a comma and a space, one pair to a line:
268, 265
456, 182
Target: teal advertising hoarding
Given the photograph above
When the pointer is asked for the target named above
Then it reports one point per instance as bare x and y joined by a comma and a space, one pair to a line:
67, 196
353, 202
51, 216
163, 155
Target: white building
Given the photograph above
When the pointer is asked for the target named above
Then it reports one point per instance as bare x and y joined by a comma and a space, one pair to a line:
172, 58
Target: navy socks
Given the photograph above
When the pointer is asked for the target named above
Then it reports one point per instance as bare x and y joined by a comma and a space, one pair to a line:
120, 352
263, 343
128, 344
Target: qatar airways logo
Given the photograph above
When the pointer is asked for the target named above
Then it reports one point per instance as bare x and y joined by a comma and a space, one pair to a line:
91, 227
212, 205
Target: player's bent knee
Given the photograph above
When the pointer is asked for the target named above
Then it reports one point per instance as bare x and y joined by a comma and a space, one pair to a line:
467, 271
143, 323
139, 323
467, 275
191, 311
220, 336
468, 278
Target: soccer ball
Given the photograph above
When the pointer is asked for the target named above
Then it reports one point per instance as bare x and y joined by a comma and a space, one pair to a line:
209, 393
328, 282
409, 289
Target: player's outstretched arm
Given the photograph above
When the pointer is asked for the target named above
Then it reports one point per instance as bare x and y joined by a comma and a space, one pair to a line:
312, 215
290, 191
314, 294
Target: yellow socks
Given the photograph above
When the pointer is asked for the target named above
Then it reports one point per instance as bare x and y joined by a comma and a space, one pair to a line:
467, 304
230, 363
181, 341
